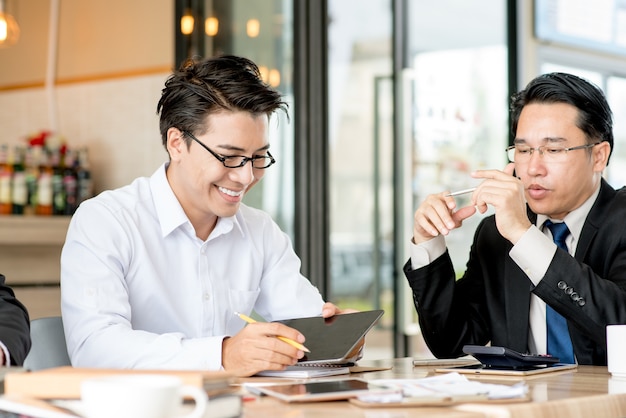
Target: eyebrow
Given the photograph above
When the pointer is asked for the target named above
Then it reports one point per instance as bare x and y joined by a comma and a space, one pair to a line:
238, 149
548, 140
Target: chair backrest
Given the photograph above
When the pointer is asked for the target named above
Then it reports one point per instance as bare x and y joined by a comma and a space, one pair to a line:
48, 347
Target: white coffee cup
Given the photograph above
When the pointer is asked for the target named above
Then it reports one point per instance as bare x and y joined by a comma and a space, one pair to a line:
140, 396
616, 350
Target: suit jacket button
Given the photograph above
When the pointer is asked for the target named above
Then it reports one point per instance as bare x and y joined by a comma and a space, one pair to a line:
569, 291
574, 296
561, 285
581, 302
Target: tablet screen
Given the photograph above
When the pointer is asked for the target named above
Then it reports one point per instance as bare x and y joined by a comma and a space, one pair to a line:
332, 339
316, 388
323, 390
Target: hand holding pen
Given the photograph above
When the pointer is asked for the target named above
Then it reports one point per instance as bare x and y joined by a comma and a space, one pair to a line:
285, 339
260, 346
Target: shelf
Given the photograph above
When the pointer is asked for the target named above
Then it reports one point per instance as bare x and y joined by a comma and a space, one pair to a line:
30, 248
33, 230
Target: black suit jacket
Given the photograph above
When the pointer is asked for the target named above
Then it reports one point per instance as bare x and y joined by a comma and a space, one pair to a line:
14, 325
491, 302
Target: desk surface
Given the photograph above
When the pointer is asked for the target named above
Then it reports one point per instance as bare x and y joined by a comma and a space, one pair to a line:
587, 391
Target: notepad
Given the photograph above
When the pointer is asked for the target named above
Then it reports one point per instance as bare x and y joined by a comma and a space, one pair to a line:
305, 372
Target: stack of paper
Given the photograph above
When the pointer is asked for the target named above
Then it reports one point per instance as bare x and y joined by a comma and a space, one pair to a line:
445, 388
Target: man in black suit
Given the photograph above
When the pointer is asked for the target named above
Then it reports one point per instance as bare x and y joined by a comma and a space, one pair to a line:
14, 328
519, 282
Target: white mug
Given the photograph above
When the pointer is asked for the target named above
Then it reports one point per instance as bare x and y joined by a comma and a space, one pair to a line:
616, 350
140, 396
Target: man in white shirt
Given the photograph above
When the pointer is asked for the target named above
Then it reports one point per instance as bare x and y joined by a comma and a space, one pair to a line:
547, 272
153, 273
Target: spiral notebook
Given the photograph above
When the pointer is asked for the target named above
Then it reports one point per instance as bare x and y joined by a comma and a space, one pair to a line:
306, 372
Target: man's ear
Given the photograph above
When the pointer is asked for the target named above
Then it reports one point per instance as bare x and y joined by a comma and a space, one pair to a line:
175, 142
601, 154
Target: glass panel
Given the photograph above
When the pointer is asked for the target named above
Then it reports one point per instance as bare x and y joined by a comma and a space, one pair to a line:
262, 31
616, 95
460, 109
360, 136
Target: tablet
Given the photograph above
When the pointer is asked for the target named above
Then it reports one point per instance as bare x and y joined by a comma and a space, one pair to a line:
482, 369
329, 390
333, 340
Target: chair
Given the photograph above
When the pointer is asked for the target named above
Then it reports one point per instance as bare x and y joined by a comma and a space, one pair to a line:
48, 344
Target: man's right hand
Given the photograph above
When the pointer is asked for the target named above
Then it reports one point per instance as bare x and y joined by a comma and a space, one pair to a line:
436, 215
256, 348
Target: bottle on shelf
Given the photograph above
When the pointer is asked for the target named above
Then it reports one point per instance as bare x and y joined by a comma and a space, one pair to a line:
58, 191
83, 175
6, 175
19, 189
44, 186
31, 163
70, 183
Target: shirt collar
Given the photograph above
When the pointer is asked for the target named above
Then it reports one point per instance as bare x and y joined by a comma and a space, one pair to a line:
171, 214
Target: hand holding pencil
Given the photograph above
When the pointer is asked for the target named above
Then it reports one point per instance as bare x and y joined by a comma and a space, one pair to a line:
285, 339
255, 347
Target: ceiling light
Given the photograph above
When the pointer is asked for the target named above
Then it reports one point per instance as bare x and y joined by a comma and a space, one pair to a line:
9, 30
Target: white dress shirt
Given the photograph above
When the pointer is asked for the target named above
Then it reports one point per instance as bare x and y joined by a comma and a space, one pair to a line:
532, 253
7, 356
139, 289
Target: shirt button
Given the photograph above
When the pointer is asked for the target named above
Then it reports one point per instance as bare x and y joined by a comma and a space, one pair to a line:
207, 296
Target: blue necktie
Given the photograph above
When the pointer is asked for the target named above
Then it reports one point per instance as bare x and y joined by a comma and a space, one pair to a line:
559, 341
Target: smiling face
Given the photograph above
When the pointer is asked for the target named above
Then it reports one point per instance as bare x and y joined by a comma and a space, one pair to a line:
204, 187
556, 189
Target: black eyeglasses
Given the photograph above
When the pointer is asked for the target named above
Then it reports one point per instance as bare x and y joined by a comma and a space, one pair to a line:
236, 161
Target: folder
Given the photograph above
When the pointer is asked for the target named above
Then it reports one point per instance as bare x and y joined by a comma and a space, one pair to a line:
64, 382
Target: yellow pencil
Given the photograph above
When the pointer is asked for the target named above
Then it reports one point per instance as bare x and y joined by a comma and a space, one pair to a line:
285, 339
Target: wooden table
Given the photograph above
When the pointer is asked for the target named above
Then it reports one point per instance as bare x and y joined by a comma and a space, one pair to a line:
588, 391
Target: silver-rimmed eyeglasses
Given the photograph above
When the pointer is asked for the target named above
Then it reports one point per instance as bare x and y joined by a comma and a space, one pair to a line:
236, 161
550, 153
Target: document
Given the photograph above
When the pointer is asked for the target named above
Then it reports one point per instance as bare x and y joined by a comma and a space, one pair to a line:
442, 389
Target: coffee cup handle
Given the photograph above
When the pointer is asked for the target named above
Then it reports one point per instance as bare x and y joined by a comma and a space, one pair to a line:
200, 398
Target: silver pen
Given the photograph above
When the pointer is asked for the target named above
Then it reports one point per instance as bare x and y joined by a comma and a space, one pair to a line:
460, 192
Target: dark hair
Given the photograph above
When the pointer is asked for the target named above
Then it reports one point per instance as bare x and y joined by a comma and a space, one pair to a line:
594, 114
223, 83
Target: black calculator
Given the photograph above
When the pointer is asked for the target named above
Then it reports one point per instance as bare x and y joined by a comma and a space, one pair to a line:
502, 357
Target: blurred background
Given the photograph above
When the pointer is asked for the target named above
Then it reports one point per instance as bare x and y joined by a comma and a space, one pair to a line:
390, 100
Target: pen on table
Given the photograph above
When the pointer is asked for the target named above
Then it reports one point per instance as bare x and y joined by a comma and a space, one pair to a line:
460, 192
285, 339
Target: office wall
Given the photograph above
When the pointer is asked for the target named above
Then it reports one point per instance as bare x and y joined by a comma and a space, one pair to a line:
97, 86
